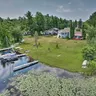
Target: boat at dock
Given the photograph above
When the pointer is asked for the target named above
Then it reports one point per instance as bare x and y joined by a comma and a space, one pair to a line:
8, 54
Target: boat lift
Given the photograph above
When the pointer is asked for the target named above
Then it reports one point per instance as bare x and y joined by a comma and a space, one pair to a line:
8, 54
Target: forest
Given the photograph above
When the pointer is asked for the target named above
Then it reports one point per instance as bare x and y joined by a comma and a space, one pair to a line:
12, 30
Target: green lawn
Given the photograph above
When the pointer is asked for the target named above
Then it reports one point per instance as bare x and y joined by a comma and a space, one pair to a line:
68, 56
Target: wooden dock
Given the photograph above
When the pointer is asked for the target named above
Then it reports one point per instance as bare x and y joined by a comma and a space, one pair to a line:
21, 55
24, 66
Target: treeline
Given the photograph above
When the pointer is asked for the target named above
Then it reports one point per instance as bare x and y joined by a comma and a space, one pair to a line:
11, 30
89, 52
45, 22
90, 26
92, 20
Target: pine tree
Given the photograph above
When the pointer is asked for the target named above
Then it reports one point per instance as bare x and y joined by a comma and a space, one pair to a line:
71, 30
83, 32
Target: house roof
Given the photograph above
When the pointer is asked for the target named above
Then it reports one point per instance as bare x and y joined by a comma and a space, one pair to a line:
78, 33
55, 29
65, 30
51, 30
48, 31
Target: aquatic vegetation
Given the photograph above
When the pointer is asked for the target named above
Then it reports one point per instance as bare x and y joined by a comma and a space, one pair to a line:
45, 84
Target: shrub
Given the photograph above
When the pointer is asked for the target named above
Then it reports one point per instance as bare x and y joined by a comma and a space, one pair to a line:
57, 46
92, 65
67, 38
89, 53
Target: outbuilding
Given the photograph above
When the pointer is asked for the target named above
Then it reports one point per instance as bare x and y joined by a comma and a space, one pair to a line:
84, 64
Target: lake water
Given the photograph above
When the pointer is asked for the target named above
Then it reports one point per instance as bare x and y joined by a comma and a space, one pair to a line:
6, 71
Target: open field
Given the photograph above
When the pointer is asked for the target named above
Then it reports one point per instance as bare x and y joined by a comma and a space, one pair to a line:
68, 56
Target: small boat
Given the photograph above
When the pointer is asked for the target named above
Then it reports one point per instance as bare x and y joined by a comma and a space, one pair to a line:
8, 54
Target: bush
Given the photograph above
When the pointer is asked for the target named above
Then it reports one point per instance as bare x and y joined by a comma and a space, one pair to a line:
57, 46
89, 53
67, 38
92, 65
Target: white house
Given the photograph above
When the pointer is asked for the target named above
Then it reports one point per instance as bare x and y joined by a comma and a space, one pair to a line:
64, 33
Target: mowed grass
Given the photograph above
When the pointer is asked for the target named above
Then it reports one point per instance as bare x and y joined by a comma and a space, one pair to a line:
68, 56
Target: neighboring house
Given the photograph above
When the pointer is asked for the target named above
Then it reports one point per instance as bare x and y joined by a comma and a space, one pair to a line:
64, 33
78, 34
27, 33
53, 31
56, 29
48, 32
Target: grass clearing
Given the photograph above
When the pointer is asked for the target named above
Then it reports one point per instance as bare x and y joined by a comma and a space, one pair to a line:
68, 56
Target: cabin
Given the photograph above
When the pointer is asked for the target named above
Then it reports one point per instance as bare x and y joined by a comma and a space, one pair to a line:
27, 33
53, 31
78, 34
64, 33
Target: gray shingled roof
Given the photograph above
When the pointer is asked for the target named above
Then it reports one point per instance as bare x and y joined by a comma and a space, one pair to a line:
64, 30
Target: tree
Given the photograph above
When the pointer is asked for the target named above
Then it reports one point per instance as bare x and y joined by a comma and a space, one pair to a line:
55, 22
23, 22
4, 37
36, 38
66, 23
17, 35
92, 20
40, 22
30, 22
71, 30
61, 23
1, 20
80, 23
75, 24
83, 32
91, 35
51, 21
47, 22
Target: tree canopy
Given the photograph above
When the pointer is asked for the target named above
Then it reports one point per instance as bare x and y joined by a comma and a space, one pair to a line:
31, 23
